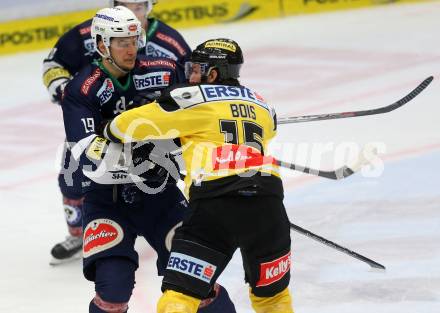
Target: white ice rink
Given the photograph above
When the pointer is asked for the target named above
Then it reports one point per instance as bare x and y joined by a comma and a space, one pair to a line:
303, 65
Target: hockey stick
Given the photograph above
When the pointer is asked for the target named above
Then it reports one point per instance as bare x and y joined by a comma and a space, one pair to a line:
385, 109
333, 245
366, 154
339, 173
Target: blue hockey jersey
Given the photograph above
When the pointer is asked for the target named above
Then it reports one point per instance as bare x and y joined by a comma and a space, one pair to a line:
75, 49
94, 96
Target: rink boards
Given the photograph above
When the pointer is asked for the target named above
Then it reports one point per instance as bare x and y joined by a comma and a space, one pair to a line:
42, 32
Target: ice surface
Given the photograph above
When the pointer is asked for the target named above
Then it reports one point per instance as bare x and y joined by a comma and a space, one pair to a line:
303, 65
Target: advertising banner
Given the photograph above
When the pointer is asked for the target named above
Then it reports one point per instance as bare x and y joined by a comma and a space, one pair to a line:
42, 32
292, 7
181, 14
38, 33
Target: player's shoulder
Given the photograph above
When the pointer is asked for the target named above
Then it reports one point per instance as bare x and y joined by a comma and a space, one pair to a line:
181, 96
168, 36
84, 28
80, 30
87, 81
165, 28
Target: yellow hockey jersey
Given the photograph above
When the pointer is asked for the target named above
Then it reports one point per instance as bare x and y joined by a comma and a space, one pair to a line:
224, 130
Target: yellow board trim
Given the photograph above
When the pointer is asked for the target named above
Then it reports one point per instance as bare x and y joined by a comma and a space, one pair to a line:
38, 33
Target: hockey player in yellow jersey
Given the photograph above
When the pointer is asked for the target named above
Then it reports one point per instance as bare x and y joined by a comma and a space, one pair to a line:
233, 186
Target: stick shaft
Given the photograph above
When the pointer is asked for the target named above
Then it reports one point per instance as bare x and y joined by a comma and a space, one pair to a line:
333, 245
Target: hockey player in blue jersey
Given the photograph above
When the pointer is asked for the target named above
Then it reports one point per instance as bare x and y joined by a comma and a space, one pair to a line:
115, 211
74, 50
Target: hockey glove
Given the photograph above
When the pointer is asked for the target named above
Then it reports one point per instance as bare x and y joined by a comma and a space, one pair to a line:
57, 93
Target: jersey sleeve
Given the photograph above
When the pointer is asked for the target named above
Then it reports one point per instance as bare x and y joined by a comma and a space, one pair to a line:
81, 119
62, 63
67, 52
153, 122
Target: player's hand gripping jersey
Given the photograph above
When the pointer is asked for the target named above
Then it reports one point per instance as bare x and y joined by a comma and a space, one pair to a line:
94, 96
224, 130
75, 49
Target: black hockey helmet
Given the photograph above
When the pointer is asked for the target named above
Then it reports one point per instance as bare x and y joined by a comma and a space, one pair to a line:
223, 54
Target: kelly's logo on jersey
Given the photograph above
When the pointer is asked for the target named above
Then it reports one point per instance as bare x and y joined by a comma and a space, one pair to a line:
273, 271
106, 91
238, 157
215, 93
152, 80
191, 266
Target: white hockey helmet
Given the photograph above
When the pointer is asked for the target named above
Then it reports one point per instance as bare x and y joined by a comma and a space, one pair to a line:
114, 22
149, 3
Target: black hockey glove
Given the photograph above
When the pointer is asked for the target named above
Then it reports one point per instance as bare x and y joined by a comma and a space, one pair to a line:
143, 166
143, 98
57, 94
100, 128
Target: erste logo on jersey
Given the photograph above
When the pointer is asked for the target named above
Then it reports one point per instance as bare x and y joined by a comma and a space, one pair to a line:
154, 50
191, 266
101, 234
152, 80
273, 271
106, 91
218, 92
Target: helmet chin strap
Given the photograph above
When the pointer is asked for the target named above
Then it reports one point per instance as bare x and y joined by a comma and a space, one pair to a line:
112, 62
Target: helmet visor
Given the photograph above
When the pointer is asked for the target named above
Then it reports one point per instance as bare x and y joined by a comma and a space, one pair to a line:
125, 42
196, 69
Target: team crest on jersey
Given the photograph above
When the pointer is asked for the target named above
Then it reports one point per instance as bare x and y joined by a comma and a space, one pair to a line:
191, 266
273, 271
154, 50
106, 91
100, 235
152, 80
